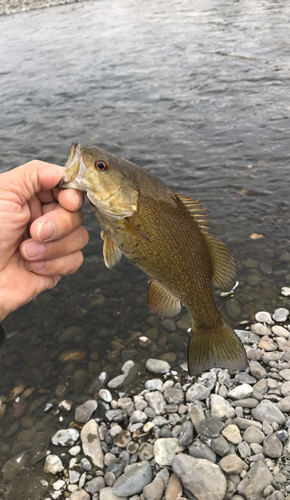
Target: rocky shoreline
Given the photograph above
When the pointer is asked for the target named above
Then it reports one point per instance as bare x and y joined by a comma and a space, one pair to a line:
218, 437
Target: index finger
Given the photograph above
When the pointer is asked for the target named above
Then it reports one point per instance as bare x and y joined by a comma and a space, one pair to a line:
70, 199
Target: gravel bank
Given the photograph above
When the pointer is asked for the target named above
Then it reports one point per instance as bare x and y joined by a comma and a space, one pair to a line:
222, 436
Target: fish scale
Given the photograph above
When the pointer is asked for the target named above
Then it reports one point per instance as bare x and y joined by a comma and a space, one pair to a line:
167, 236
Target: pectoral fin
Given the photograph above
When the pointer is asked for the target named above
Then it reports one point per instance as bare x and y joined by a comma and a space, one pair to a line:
161, 302
134, 232
112, 254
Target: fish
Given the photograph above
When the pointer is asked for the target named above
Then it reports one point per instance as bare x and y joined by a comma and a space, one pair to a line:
167, 236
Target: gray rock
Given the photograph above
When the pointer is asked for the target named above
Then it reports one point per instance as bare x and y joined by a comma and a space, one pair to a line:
197, 415
211, 427
146, 451
129, 369
186, 434
220, 446
272, 446
257, 370
157, 366
79, 494
91, 443
266, 410
84, 412
108, 494
95, 485
154, 490
244, 378
86, 464
286, 449
110, 478
253, 435
246, 403
74, 476
65, 437
201, 478
280, 315
174, 488
244, 423
154, 384
173, 395
198, 449
244, 449
284, 404
260, 329
197, 391
285, 389
255, 481
280, 331
156, 401
241, 392
231, 464
136, 477
220, 408
138, 416
165, 449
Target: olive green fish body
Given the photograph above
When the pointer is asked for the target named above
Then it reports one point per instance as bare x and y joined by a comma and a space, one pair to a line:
167, 236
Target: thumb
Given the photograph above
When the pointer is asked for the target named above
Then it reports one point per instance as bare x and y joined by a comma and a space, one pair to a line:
31, 178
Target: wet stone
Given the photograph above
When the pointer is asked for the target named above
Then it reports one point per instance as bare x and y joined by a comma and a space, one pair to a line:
157, 366
84, 412
105, 395
136, 477
53, 464
211, 427
65, 437
280, 315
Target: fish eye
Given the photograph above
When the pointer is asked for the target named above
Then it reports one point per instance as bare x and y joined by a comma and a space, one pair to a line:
101, 165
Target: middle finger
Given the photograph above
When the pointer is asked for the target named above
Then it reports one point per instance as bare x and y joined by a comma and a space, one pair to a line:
55, 224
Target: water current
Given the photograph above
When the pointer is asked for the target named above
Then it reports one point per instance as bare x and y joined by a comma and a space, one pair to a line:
197, 92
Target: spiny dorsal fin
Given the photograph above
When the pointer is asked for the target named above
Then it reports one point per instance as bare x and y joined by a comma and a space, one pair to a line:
198, 213
161, 302
112, 254
223, 261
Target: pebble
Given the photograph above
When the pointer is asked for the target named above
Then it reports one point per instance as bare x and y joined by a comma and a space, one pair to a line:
232, 464
280, 331
266, 410
174, 488
253, 435
241, 391
211, 427
220, 408
105, 395
196, 415
272, 446
84, 412
156, 401
79, 494
186, 433
129, 370
154, 384
108, 494
91, 443
53, 464
263, 317
255, 481
146, 451
95, 485
200, 477
232, 434
198, 449
154, 490
65, 437
157, 366
280, 315
136, 477
165, 449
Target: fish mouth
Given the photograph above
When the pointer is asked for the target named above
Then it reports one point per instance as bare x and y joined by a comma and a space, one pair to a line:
74, 163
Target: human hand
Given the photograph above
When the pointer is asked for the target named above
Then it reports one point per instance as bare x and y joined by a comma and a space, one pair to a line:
40, 233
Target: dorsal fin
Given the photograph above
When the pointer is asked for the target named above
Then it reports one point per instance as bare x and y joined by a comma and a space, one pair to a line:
198, 213
223, 261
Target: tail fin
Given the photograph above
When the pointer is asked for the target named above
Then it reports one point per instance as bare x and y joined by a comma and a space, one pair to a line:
215, 348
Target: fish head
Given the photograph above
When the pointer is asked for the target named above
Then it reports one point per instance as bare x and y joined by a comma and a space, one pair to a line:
104, 177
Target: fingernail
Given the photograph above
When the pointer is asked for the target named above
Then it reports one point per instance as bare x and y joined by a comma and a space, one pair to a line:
34, 266
77, 200
33, 249
46, 230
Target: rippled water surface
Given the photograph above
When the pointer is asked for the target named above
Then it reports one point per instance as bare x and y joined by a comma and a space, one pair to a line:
197, 93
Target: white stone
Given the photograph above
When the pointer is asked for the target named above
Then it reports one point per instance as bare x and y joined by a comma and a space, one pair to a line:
105, 395
75, 450
58, 485
65, 437
91, 443
220, 408
263, 317
285, 291
165, 450
241, 391
53, 464
280, 314
280, 331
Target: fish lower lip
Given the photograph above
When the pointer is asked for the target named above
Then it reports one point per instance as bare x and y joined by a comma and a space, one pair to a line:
60, 184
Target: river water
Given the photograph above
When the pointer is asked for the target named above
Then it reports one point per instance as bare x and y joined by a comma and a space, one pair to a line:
197, 93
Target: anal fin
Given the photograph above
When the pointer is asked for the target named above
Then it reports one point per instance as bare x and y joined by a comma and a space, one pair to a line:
161, 302
112, 254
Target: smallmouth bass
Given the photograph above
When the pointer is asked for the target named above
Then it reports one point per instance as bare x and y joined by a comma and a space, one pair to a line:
167, 236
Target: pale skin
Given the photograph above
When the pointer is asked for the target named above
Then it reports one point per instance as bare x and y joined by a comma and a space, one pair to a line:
41, 236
